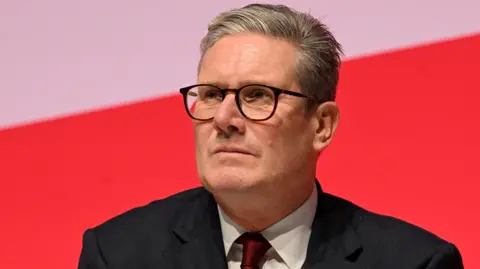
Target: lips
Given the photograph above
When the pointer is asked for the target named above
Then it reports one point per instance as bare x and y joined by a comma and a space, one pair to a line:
232, 149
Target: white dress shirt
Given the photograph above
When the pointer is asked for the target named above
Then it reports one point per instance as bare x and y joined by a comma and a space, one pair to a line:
289, 238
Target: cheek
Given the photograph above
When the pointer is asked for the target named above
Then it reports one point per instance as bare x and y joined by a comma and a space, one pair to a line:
273, 140
202, 133
268, 133
284, 142
265, 136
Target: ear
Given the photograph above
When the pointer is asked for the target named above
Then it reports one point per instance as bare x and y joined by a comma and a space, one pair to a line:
326, 118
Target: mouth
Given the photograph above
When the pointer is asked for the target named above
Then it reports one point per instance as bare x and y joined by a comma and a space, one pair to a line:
230, 150
232, 153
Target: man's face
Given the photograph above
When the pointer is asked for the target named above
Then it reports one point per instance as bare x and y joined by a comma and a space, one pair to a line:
235, 154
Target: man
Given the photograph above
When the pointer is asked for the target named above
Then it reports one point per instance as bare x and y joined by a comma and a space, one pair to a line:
263, 110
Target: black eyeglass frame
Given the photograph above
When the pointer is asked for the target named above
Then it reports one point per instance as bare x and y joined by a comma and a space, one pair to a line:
276, 91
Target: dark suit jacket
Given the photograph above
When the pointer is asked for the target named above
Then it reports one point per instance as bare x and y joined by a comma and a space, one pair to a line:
183, 231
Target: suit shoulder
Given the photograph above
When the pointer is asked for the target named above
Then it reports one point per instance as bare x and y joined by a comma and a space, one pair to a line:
377, 227
397, 231
389, 240
140, 234
159, 214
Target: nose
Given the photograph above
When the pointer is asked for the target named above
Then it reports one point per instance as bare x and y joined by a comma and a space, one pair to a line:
228, 118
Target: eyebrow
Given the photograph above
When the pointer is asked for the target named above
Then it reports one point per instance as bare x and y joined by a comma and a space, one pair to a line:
240, 84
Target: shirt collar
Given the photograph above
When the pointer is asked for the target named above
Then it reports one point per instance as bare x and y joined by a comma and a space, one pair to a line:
289, 237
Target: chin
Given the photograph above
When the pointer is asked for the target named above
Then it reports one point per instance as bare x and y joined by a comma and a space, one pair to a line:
230, 180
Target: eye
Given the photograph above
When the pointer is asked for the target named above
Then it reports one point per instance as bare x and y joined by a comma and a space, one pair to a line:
211, 94
256, 94
208, 93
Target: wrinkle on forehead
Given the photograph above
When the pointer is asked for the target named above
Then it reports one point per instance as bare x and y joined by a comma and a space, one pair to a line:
234, 59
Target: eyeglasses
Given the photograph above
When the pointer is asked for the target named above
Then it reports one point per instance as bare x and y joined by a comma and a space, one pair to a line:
256, 102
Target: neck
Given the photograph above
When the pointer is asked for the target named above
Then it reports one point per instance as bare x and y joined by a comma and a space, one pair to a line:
257, 210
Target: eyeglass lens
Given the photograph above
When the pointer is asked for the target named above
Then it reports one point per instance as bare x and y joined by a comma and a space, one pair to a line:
256, 102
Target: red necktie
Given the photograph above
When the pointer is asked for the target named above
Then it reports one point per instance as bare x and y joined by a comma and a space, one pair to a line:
254, 248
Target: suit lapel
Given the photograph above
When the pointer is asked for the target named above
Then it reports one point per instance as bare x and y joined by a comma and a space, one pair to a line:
200, 235
333, 242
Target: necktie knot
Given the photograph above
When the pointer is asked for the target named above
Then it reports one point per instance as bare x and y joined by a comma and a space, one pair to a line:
254, 248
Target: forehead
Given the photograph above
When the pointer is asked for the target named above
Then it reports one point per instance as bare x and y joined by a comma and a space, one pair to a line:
237, 59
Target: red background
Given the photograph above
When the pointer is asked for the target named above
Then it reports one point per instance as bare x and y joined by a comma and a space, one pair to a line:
407, 146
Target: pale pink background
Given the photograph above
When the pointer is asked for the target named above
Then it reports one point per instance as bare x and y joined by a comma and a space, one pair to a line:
59, 57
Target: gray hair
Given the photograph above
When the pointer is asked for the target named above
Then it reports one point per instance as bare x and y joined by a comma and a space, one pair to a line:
319, 52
